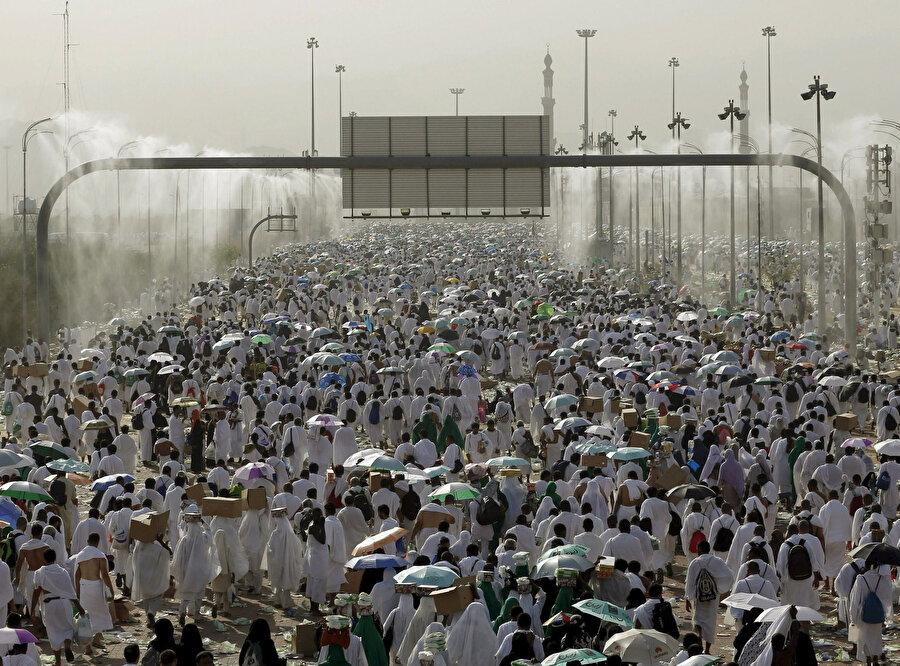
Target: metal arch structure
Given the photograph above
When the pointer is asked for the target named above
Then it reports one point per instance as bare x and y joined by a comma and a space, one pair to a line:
496, 162
280, 216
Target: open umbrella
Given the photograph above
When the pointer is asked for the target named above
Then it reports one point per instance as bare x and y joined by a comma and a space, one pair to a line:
390, 370
605, 611
52, 450
804, 614
629, 453
25, 491
574, 656
376, 541
261, 339
889, 447
11, 636
747, 600
95, 424
547, 568
642, 646
561, 401
66, 465
10, 458
466, 371
456, 490
326, 420
170, 369
161, 357
105, 482
250, 471
856, 442
690, 491
571, 423
329, 377
427, 575
568, 549
508, 461
878, 553
184, 401
377, 561
87, 376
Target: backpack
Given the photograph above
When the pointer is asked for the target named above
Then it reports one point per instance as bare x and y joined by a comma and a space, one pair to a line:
884, 480
289, 449
137, 421
151, 657
675, 524
890, 423
863, 394
723, 539
791, 394
8, 551
664, 619
397, 413
706, 586
375, 413
361, 503
361, 397
410, 504
872, 608
529, 449
799, 565
456, 415
253, 656
311, 403
351, 415
856, 504
489, 511
696, 538
495, 352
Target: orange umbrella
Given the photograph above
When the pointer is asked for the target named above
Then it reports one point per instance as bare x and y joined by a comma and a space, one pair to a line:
376, 541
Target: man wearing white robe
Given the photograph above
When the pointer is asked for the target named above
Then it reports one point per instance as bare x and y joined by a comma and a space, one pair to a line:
706, 612
192, 566
337, 549
836, 526
800, 592
877, 580
54, 591
151, 576
284, 559
91, 582
7, 594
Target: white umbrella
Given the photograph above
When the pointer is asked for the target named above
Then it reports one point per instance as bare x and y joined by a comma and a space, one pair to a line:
611, 363
642, 646
586, 343
832, 381
491, 334
687, 316
804, 614
196, 301
746, 601
889, 447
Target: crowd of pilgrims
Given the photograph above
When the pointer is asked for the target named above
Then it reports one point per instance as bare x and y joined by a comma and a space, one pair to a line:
353, 379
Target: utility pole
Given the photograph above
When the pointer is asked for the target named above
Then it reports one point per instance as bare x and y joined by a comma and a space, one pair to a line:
586, 34
312, 44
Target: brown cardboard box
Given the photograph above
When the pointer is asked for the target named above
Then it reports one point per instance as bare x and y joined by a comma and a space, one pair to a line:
33, 370
197, 492
254, 498
374, 481
673, 476
641, 439
671, 420
303, 640
453, 599
433, 518
120, 610
590, 405
847, 421
221, 506
79, 404
146, 526
85, 364
767, 355
354, 580
630, 417
594, 460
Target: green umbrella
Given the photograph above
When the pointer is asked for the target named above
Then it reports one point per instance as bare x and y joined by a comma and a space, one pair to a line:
442, 347
563, 352
51, 450
385, 312
593, 448
518, 335
523, 304
579, 656
262, 339
25, 490
605, 611
427, 575
441, 323
508, 461
74, 466
458, 491
545, 309
460, 321
630, 453
390, 370
568, 549
541, 317
333, 347
768, 381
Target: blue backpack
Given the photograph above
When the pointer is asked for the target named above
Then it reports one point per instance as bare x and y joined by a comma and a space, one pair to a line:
872, 608
884, 481
375, 413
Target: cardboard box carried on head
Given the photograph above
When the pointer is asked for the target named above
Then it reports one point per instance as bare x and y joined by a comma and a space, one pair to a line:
197, 492
254, 499
630, 418
847, 421
147, 526
226, 507
457, 598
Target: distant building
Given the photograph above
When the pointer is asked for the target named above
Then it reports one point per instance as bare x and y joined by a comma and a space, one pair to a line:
547, 100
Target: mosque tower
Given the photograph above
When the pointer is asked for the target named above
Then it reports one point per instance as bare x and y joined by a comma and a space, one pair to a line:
743, 143
547, 100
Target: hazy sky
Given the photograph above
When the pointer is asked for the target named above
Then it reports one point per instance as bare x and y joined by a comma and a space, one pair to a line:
234, 74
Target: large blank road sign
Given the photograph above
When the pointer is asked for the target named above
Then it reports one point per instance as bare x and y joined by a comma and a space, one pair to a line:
383, 192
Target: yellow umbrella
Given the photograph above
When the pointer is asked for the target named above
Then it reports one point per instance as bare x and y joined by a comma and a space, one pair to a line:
426, 329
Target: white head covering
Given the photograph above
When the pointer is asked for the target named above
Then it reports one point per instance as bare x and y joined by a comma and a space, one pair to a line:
424, 616
472, 641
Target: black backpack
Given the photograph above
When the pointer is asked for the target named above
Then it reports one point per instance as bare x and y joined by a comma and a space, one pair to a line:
397, 413
311, 403
791, 394
8, 550
137, 421
664, 619
410, 504
723, 539
890, 423
863, 395
529, 449
361, 503
489, 511
351, 415
361, 397
674, 524
495, 352
799, 565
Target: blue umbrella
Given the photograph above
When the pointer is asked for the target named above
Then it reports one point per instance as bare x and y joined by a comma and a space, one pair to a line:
9, 512
329, 377
350, 357
377, 561
466, 371
779, 336
105, 482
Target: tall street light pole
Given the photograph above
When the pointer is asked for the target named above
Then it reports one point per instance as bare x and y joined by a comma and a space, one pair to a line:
768, 32
25, 138
819, 90
312, 44
340, 69
637, 136
730, 113
678, 123
612, 113
673, 65
586, 34
456, 92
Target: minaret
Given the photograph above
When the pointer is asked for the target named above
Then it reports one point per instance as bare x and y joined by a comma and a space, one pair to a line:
547, 100
743, 143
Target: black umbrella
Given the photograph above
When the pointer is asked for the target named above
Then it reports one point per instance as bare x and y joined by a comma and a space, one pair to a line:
690, 491
848, 391
878, 553
737, 382
448, 334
